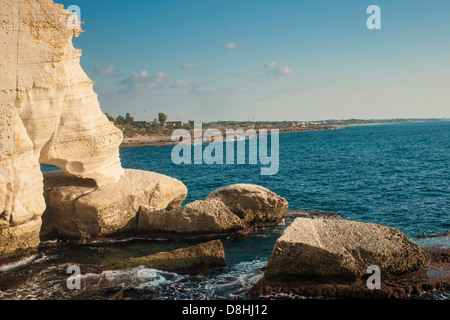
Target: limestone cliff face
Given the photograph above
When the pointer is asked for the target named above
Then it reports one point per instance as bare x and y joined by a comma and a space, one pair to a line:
49, 113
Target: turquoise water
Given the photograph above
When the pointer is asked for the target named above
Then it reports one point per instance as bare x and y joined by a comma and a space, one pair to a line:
395, 175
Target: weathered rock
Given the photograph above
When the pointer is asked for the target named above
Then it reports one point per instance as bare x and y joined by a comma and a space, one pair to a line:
47, 92
251, 203
340, 249
78, 209
196, 217
18, 239
187, 260
49, 113
434, 279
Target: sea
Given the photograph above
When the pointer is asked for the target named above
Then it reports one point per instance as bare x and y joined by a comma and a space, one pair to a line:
396, 175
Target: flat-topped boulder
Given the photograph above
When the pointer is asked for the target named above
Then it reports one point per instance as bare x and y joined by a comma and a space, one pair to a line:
78, 209
252, 203
196, 217
341, 249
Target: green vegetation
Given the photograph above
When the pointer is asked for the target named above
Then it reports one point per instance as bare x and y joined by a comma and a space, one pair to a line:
162, 118
120, 120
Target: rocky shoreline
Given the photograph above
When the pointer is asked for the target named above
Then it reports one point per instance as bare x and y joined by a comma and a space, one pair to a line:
193, 261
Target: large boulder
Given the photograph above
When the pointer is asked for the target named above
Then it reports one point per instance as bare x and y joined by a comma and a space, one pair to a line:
340, 249
186, 260
196, 217
78, 209
251, 203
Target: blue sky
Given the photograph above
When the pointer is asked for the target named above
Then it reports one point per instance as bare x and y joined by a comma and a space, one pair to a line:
267, 60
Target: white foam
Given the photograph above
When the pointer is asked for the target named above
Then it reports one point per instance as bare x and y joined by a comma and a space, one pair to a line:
140, 277
16, 264
231, 284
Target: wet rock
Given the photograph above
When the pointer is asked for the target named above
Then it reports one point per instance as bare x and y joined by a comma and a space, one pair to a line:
190, 260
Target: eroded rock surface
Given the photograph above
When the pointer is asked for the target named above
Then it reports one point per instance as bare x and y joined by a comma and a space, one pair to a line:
78, 209
413, 285
196, 217
341, 249
252, 203
49, 113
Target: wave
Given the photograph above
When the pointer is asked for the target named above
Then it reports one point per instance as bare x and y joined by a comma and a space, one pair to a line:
138, 278
18, 263
231, 284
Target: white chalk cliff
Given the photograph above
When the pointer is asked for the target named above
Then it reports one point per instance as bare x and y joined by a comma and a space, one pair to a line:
49, 114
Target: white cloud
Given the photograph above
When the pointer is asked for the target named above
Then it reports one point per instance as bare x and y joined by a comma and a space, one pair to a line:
231, 46
286, 70
142, 81
105, 71
187, 66
277, 69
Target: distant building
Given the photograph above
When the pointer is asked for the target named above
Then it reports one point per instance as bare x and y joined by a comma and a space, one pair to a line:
174, 123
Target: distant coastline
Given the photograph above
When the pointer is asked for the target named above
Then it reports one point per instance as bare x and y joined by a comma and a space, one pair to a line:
162, 137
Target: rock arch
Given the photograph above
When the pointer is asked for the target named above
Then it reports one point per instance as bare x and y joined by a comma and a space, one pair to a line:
49, 114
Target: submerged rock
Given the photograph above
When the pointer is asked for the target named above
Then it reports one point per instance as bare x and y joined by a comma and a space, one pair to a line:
196, 217
252, 203
190, 260
340, 249
78, 209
